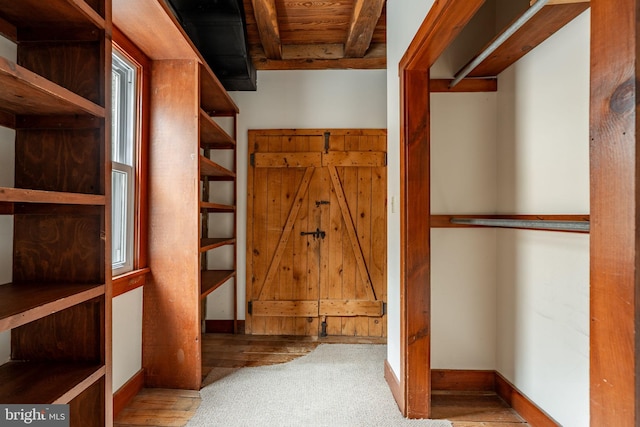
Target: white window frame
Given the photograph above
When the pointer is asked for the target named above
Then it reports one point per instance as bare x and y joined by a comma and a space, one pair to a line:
123, 141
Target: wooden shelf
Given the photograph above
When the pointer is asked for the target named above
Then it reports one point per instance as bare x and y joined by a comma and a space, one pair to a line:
21, 303
544, 24
212, 135
22, 195
25, 92
212, 243
216, 207
210, 280
32, 13
46, 382
214, 170
214, 99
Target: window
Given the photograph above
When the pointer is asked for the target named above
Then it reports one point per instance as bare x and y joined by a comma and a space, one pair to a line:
123, 153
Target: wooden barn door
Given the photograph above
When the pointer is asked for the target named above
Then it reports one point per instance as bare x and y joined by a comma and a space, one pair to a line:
316, 233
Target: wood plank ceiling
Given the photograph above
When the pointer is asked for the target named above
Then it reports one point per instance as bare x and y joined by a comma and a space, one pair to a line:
316, 34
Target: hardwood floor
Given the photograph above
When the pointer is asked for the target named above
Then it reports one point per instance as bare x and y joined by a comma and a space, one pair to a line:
222, 354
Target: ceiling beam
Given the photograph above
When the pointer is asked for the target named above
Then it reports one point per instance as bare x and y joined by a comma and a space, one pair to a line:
267, 19
320, 57
366, 14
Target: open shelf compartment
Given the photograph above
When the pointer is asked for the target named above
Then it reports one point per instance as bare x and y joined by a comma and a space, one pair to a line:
212, 243
39, 13
213, 170
212, 135
210, 280
27, 93
46, 382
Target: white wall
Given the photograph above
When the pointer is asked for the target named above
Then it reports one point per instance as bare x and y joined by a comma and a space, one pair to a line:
543, 277
403, 20
7, 160
127, 336
290, 100
463, 261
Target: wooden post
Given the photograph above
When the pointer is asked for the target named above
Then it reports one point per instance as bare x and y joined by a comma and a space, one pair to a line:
614, 214
415, 250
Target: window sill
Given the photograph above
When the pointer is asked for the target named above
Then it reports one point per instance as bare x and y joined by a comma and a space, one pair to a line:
129, 281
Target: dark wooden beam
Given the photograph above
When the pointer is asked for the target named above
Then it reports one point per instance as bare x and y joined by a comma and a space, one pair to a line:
375, 58
267, 19
615, 219
366, 14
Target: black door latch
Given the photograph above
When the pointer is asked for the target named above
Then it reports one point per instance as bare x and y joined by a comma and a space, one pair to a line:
318, 234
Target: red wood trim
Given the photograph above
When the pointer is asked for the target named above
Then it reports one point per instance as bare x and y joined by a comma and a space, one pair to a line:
614, 261
127, 392
143, 63
462, 380
224, 326
444, 22
7, 120
129, 281
528, 410
444, 221
8, 30
394, 385
7, 208
465, 85
415, 289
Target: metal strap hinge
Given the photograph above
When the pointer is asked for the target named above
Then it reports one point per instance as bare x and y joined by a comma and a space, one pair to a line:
252, 159
250, 307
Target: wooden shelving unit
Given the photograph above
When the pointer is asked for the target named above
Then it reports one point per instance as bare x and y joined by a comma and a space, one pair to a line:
185, 105
58, 305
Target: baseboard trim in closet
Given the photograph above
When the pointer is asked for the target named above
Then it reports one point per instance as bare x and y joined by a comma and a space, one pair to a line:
462, 380
127, 392
394, 385
223, 326
520, 403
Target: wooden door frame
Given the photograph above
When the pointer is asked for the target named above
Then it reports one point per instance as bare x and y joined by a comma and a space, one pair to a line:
615, 306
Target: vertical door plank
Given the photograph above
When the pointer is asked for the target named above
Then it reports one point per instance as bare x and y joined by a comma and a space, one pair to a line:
347, 196
314, 247
274, 233
258, 254
332, 288
615, 310
378, 255
287, 193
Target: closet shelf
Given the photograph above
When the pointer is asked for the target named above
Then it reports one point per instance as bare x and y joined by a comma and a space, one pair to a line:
22, 195
212, 135
553, 222
216, 207
540, 27
21, 303
210, 280
32, 13
25, 92
212, 243
215, 171
46, 382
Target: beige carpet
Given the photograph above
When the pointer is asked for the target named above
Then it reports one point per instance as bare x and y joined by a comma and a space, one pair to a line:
335, 385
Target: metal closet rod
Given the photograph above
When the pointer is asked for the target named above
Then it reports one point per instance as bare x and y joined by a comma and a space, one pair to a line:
498, 41
535, 224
